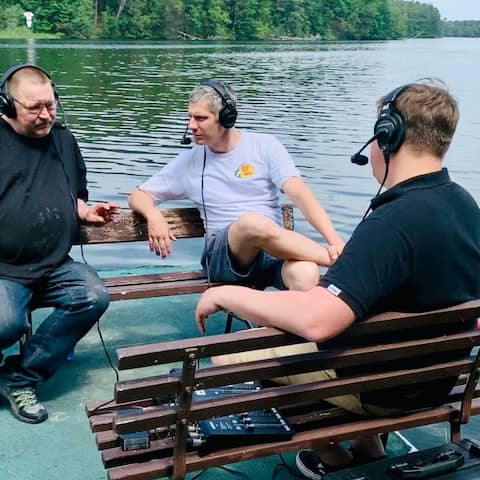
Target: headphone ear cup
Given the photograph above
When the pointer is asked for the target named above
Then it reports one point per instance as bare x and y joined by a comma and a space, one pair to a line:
227, 115
390, 131
7, 106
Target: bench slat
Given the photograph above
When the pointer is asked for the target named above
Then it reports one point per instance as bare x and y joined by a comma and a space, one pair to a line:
132, 390
163, 467
153, 278
179, 287
291, 394
167, 352
131, 227
310, 418
395, 321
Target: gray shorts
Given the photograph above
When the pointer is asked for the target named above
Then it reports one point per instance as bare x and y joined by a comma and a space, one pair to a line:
219, 264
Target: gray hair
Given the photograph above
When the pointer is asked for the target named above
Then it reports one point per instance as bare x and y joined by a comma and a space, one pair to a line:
204, 92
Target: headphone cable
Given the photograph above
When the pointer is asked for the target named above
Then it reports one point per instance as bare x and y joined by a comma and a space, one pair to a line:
64, 113
207, 263
100, 335
386, 154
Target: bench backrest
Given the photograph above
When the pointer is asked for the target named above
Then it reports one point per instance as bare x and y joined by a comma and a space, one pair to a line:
131, 227
356, 350
168, 399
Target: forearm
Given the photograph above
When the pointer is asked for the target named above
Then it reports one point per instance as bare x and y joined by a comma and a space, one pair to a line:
311, 209
313, 315
319, 219
141, 202
316, 216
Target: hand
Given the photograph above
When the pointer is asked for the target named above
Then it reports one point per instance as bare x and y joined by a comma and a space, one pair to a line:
334, 251
101, 213
159, 236
207, 305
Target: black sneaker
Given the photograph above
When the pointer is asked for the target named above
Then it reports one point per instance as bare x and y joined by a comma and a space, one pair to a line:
24, 404
310, 465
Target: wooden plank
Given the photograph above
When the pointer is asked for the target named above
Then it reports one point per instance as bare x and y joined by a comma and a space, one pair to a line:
182, 287
308, 419
292, 394
166, 352
153, 278
163, 467
131, 227
394, 321
133, 390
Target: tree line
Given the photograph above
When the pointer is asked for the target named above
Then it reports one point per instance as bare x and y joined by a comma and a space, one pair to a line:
226, 19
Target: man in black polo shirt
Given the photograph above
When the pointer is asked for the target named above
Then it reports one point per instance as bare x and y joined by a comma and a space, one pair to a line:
43, 194
419, 249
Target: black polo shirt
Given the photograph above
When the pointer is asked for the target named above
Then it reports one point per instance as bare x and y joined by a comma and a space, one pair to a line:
418, 250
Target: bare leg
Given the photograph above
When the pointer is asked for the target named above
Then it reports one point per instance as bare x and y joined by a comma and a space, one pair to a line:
252, 232
334, 454
300, 275
369, 446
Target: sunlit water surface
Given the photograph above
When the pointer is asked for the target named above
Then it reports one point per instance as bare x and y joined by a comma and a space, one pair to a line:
126, 104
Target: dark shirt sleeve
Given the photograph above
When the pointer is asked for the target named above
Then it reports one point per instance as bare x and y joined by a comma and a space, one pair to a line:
374, 264
82, 173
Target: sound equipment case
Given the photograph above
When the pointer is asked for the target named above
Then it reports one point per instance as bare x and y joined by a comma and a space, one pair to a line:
450, 461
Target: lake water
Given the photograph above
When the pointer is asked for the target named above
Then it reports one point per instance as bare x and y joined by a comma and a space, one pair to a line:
126, 103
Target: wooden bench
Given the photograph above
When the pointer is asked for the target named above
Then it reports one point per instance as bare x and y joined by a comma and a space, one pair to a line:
166, 399
129, 227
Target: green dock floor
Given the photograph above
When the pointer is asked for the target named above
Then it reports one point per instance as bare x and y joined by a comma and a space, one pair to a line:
63, 447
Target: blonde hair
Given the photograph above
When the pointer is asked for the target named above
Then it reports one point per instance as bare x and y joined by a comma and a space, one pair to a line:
431, 115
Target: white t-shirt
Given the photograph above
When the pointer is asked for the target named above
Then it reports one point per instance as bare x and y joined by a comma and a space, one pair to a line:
247, 179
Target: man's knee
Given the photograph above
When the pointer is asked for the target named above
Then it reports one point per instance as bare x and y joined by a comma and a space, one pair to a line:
300, 275
13, 316
99, 298
89, 294
251, 226
12, 328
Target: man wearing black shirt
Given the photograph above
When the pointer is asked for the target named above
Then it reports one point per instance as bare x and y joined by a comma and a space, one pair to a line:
419, 249
43, 194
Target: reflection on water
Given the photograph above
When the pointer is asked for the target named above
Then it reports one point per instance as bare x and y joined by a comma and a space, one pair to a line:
126, 104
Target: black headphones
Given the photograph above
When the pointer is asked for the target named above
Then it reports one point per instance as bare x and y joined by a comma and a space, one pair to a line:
7, 105
390, 126
389, 129
228, 114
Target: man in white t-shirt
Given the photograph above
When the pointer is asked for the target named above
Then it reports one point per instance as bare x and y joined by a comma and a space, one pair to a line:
235, 177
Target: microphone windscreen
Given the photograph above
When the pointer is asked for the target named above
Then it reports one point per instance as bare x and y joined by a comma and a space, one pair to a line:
359, 159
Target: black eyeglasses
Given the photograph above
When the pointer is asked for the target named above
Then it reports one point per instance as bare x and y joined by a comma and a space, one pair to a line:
36, 109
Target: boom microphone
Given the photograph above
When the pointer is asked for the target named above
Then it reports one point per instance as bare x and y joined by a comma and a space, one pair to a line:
358, 158
185, 140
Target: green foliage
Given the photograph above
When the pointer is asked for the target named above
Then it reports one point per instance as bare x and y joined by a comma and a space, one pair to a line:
71, 19
232, 19
252, 21
11, 16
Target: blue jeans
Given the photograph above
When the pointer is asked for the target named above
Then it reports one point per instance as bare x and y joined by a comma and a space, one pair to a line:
78, 298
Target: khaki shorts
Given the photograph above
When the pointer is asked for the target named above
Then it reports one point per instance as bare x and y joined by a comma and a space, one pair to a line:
350, 403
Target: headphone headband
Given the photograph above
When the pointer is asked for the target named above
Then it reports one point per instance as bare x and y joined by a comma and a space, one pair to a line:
15, 68
7, 105
392, 96
228, 114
